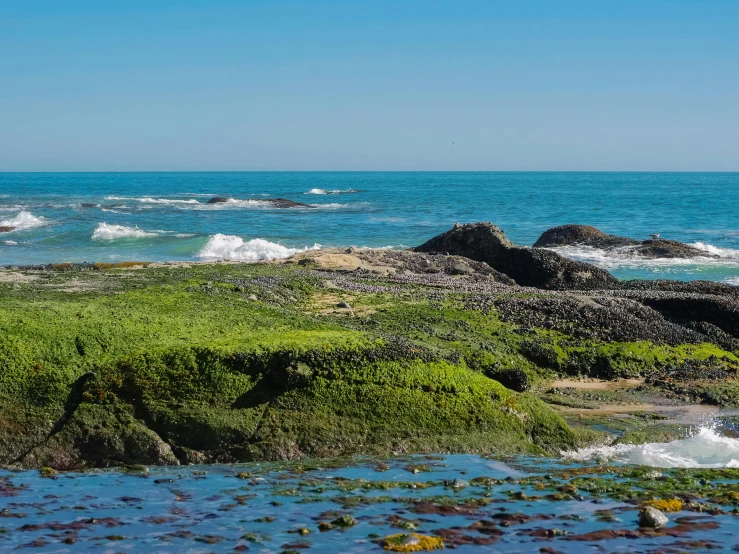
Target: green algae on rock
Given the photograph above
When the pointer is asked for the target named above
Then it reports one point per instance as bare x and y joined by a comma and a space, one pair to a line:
193, 363
174, 365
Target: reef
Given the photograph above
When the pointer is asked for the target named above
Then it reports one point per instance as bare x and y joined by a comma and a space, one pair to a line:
468, 344
586, 235
272, 202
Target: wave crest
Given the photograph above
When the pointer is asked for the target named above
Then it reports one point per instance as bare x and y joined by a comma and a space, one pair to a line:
105, 231
704, 449
231, 247
334, 191
24, 220
625, 258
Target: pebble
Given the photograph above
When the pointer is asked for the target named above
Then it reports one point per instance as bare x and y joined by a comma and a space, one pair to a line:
652, 517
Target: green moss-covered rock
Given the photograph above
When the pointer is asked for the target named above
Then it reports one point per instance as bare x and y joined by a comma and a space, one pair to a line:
254, 362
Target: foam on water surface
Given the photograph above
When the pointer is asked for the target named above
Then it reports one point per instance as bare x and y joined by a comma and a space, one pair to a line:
334, 191
23, 220
705, 448
104, 231
375, 209
231, 247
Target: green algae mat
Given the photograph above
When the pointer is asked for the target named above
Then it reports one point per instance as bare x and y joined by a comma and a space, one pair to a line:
103, 366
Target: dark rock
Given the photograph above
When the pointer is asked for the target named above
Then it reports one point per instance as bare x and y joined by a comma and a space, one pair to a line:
566, 235
586, 235
514, 379
6, 229
717, 311
537, 267
533, 267
699, 287
661, 248
217, 200
87, 205
344, 305
285, 203
478, 241
274, 202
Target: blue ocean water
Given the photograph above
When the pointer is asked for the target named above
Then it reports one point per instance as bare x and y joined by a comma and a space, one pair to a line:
164, 216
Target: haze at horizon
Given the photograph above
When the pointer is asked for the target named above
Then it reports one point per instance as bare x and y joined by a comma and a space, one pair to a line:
317, 85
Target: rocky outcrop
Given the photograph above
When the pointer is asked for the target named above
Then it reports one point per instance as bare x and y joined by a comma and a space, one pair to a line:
534, 267
661, 248
6, 229
566, 235
273, 202
586, 235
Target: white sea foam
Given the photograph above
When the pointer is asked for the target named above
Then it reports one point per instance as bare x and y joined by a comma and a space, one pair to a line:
10, 242
105, 231
334, 191
24, 220
150, 200
231, 247
705, 448
723, 253
732, 281
625, 257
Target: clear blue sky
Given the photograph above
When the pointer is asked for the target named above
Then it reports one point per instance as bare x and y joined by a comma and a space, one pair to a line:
369, 84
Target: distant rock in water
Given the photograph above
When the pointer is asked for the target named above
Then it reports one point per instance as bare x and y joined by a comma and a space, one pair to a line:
87, 205
6, 229
586, 235
567, 235
533, 267
285, 203
275, 202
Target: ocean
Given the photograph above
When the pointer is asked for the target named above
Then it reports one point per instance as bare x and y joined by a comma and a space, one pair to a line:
165, 216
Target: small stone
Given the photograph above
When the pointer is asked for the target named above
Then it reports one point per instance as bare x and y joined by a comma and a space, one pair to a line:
253, 297
652, 517
344, 305
460, 484
410, 540
325, 526
345, 521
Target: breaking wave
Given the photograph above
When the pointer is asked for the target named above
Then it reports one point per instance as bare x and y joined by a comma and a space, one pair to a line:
24, 220
625, 258
334, 191
150, 200
231, 247
105, 231
704, 449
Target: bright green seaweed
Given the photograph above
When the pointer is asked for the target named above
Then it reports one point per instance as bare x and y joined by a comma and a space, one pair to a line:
253, 362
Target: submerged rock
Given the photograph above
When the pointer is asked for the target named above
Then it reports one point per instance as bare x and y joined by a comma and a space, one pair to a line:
534, 267
274, 202
662, 248
6, 229
88, 205
217, 200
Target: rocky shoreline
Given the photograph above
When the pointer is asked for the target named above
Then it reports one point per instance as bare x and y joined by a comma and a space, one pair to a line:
454, 346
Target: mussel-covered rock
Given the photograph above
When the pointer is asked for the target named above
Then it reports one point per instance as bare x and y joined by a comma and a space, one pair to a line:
534, 267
